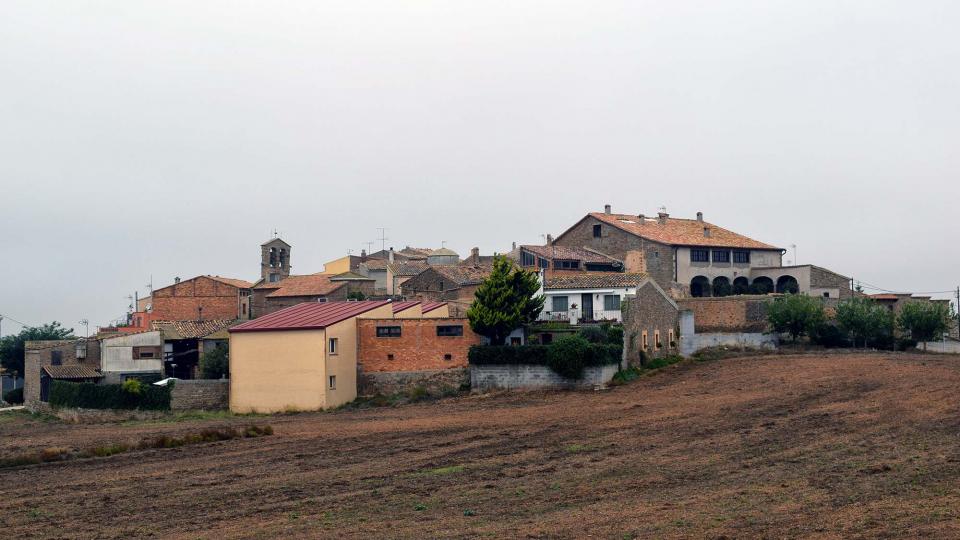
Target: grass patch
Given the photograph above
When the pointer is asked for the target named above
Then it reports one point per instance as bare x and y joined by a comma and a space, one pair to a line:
48, 455
453, 469
633, 373
577, 448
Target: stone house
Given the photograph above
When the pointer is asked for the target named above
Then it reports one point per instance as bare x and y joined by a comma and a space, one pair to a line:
564, 258
651, 322
74, 360
692, 252
806, 279
270, 297
454, 285
399, 272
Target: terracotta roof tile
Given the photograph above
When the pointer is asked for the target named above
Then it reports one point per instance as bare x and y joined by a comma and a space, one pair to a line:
375, 264
239, 283
591, 280
191, 329
308, 316
309, 285
680, 232
407, 268
569, 253
464, 275
72, 372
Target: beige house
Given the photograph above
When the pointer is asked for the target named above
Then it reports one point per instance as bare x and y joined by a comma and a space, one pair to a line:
299, 358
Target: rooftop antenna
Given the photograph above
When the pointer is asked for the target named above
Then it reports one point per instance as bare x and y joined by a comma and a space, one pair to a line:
443, 243
383, 237
369, 246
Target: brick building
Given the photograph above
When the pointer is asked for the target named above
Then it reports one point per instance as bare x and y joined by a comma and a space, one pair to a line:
651, 322
74, 360
414, 344
203, 297
692, 252
270, 297
455, 285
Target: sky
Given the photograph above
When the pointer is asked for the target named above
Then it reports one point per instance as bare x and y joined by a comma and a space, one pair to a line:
149, 140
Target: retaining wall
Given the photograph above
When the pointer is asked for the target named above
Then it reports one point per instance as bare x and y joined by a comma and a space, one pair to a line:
692, 343
211, 394
484, 378
436, 382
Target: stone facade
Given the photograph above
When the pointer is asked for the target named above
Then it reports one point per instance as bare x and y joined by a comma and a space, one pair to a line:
200, 394
261, 304
182, 301
417, 348
487, 377
436, 382
650, 324
731, 314
657, 260
42, 353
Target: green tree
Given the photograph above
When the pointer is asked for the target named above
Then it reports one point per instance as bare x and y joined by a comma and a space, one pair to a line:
505, 301
12, 347
924, 321
864, 320
356, 295
216, 363
795, 314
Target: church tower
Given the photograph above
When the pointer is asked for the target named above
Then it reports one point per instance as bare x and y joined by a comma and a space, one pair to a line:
274, 260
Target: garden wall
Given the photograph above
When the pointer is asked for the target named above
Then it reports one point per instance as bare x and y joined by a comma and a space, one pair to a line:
486, 377
210, 394
436, 382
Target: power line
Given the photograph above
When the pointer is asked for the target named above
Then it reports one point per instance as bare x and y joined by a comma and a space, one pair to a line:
866, 285
21, 323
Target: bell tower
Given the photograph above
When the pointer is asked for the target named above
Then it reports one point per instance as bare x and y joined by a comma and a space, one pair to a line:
274, 260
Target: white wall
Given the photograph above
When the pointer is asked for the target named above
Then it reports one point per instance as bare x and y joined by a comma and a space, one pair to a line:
687, 270
116, 353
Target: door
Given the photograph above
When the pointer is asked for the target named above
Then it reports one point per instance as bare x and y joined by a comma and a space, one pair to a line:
586, 305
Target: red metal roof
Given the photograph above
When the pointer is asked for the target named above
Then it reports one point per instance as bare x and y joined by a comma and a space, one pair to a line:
401, 306
430, 306
308, 316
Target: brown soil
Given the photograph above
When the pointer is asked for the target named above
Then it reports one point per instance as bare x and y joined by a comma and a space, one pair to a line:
788, 446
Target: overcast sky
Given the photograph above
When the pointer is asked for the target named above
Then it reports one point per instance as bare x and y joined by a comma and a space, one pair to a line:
167, 139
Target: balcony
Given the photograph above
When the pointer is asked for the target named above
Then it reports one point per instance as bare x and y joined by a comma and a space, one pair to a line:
575, 316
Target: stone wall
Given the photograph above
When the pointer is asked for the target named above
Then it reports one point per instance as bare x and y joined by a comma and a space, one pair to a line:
435, 382
649, 313
200, 394
38, 354
729, 314
418, 348
484, 378
692, 343
658, 259
821, 278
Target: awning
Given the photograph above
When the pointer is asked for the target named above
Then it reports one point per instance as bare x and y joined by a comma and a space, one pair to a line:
72, 372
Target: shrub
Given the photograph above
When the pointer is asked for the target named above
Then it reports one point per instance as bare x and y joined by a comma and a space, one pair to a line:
508, 354
567, 356
215, 364
109, 396
615, 335
830, 336
593, 334
14, 397
133, 386
594, 354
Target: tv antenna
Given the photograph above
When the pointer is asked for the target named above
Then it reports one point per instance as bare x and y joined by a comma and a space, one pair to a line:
383, 237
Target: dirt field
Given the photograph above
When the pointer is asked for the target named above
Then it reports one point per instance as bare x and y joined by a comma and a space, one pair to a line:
845, 446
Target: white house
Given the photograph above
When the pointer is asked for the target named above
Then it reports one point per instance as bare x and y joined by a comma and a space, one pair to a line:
578, 297
129, 355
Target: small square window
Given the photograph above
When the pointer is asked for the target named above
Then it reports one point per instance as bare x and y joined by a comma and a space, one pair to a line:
334, 346
448, 356
390, 356
826, 295
333, 382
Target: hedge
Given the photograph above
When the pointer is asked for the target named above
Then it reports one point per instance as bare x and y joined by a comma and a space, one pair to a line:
108, 396
14, 397
594, 354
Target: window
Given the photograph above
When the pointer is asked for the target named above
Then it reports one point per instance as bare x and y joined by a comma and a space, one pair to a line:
448, 356
741, 257
146, 352
440, 286
826, 295
450, 330
56, 358
721, 256
334, 345
566, 265
274, 278
333, 382
656, 339
543, 263
527, 259
644, 343
244, 309
388, 331
597, 231
699, 255
672, 341
611, 302
81, 350
560, 303
390, 356
515, 341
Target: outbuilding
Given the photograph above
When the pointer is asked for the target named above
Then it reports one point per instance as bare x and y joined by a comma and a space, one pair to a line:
300, 358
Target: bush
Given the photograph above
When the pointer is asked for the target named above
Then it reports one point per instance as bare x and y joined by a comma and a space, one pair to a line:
14, 397
615, 335
567, 356
133, 386
830, 336
594, 354
215, 364
593, 334
109, 396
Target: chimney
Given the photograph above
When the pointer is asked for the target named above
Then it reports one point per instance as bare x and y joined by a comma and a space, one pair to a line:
475, 256
606, 209
363, 255
514, 246
390, 255
700, 217
176, 280
662, 217
549, 239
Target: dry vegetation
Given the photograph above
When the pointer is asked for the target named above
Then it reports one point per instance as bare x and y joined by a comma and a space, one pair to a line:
778, 446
